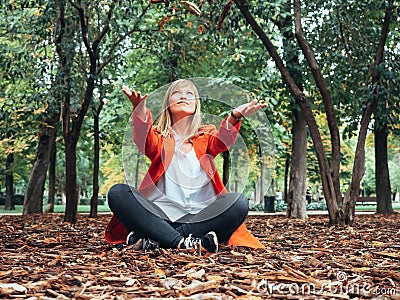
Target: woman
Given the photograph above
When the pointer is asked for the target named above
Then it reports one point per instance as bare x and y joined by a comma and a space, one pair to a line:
176, 204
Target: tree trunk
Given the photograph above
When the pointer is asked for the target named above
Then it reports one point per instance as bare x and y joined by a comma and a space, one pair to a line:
71, 137
296, 201
71, 190
52, 179
298, 170
33, 201
94, 201
72, 127
9, 205
382, 180
285, 184
350, 197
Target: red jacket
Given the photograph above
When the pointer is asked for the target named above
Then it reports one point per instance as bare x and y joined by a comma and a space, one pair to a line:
208, 143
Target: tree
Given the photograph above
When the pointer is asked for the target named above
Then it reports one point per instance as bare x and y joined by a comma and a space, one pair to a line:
33, 200
359, 164
52, 178
296, 204
96, 153
329, 170
382, 179
295, 198
96, 21
386, 116
22, 92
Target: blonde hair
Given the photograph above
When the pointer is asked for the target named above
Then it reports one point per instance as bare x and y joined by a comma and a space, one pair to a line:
164, 124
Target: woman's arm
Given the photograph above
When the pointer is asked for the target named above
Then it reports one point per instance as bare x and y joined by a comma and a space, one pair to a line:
145, 136
143, 133
138, 102
226, 135
245, 110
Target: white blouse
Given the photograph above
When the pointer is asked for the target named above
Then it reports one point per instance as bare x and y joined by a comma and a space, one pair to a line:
185, 188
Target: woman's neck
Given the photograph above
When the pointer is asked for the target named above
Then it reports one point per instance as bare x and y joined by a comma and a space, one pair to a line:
182, 126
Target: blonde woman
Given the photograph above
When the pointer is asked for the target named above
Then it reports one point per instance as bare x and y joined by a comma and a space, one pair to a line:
175, 206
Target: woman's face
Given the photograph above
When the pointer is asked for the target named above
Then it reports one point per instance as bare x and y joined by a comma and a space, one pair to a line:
182, 102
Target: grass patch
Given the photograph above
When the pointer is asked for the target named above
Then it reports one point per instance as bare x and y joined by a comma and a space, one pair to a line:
282, 207
58, 209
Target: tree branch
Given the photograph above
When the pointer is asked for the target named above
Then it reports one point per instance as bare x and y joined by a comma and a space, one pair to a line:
325, 93
294, 89
84, 26
223, 15
106, 27
301, 99
110, 56
359, 164
63, 64
343, 38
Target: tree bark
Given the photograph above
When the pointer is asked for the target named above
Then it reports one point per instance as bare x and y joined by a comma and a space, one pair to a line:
329, 172
382, 179
9, 205
52, 179
72, 126
33, 200
350, 197
71, 190
285, 184
94, 201
296, 201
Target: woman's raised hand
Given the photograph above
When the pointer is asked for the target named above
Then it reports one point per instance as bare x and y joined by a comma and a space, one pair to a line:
247, 109
133, 96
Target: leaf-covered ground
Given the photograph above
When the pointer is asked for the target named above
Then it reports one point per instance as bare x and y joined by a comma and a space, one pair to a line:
43, 258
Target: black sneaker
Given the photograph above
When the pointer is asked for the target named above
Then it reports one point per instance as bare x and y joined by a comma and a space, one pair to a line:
137, 243
132, 238
148, 244
208, 242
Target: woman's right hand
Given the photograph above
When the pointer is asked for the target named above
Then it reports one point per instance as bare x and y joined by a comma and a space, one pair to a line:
133, 96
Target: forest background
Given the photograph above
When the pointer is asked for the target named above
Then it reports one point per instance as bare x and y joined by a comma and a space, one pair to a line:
328, 70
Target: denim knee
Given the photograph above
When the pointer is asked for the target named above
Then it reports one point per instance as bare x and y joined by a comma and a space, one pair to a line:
114, 193
242, 205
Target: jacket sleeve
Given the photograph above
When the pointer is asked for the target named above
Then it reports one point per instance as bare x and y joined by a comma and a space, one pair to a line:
144, 134
220, 140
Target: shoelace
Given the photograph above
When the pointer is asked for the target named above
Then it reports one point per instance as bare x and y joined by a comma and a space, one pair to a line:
148, 244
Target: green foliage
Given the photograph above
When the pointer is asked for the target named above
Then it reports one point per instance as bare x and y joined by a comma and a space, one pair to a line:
394, 167
345, 36
148, 45
25, 66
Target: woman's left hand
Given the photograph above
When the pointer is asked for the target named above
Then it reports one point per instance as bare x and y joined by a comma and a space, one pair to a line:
247, 109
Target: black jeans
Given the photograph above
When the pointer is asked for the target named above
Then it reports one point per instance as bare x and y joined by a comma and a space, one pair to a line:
147, 222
